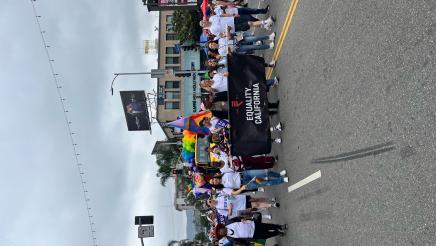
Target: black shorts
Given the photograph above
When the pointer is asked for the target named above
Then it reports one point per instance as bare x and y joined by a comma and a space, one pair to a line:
241, 22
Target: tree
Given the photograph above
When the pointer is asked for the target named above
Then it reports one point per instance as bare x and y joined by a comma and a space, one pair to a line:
186, 25
201, 236
166, 158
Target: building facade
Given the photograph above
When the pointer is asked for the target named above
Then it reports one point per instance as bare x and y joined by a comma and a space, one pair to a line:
176, 96
163, 5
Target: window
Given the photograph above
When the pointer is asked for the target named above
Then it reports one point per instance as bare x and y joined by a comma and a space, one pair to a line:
170, 28
172, 84
172, 95
172, 105
172, 60
172, 50
169, 19
171, 36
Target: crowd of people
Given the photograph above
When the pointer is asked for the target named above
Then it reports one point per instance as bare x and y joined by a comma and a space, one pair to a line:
234, 213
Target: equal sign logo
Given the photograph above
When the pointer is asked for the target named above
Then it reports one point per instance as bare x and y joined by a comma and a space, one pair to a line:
236, 104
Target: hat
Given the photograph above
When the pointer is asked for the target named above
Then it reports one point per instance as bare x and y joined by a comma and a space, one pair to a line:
217, 228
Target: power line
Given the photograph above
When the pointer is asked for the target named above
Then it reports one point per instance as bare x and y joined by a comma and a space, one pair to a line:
68, 124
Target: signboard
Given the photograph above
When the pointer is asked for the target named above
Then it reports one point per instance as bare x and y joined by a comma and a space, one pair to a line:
161, 95
145, 231
144, 220
248, 106
202, 157
195, 99
135, 110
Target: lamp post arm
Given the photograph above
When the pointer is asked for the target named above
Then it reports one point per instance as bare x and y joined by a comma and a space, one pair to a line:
118, 74
112, 84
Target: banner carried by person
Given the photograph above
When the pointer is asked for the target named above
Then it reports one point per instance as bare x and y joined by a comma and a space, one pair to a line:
248, 106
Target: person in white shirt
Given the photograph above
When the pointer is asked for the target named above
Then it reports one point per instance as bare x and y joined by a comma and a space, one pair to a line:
238, 230
218, 83
232, 206
234, 183
219, 26
221, 10
241, 44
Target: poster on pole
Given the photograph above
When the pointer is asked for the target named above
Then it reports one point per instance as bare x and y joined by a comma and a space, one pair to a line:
135, 110
248, 106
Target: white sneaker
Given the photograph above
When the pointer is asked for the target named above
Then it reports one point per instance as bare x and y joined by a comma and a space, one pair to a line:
276, 81
278, 127
272, 36
278, 140
259, 42
271, 46
266, 216
270, 21
283, 173
286, 179
261, 189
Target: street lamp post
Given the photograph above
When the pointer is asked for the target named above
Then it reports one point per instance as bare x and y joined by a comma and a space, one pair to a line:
159, 73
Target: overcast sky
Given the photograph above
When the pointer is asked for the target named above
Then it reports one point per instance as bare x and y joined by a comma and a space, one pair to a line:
41, 197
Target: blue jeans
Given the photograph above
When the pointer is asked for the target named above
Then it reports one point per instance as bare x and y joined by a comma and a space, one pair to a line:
250, 11
249, 39
269, 82
244, 48
246, 45
274, 178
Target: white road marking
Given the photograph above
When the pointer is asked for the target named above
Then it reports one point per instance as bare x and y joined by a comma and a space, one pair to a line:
305, 181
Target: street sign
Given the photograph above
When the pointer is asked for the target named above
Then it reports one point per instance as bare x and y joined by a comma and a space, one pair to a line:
145, 231
144, 220
157, 73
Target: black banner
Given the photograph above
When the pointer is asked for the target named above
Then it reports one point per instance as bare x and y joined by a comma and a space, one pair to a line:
248, 106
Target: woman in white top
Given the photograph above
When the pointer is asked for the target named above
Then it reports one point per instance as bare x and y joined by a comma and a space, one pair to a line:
218, 83
234, 183
221, 10
219, 26
231, 206
241, 44
238, 230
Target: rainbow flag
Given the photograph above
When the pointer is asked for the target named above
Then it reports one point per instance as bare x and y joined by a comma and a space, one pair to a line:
190, 125
258, 180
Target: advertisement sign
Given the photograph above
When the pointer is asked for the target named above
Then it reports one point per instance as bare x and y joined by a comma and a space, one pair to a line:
248, 106
135, 110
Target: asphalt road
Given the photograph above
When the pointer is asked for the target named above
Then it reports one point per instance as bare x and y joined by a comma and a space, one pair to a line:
356, 74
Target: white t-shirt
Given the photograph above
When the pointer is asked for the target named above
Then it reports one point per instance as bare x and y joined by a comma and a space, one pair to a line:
219, 82
238, 202
218, 10
231, 180
213, 121
232, 10
223, 44
241, 229
226, 168
219, 24
224, 242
